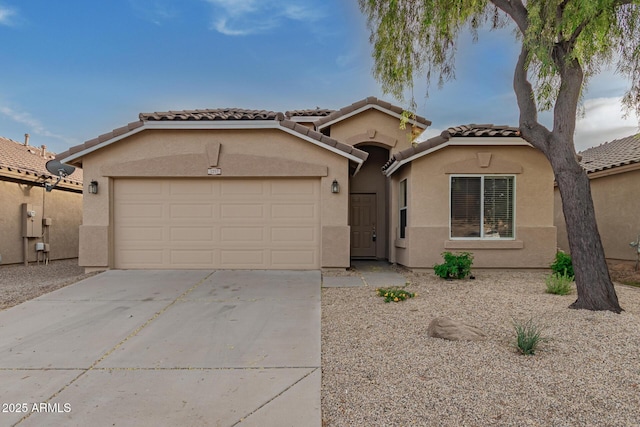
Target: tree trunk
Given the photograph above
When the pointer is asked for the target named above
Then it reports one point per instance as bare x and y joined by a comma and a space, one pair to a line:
595, 289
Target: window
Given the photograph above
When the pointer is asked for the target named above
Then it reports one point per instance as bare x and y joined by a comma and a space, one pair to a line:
482, 206
403, 207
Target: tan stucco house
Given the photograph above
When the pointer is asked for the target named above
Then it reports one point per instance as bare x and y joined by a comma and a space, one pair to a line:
233, 188
614, 172
36, 224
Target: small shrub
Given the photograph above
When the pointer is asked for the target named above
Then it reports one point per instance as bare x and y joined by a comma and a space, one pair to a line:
528, 336
456, 266
559, 284
562, 264
394, 294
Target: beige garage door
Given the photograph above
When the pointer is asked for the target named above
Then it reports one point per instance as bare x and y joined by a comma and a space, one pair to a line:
217, 223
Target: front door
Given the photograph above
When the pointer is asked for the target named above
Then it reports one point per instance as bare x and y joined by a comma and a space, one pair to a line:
363, 225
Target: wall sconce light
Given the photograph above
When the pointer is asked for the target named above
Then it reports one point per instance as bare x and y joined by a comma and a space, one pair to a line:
335, 187
93, 187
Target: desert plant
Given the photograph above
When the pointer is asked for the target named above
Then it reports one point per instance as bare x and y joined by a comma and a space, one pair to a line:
455, 266
528, 336
559, 284
562, 264
394, 294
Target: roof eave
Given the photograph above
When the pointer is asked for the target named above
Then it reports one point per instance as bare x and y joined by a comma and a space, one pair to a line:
75, 158
457, 141
368, 107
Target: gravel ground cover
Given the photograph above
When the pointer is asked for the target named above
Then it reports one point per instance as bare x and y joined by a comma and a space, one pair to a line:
380, 368
19, 283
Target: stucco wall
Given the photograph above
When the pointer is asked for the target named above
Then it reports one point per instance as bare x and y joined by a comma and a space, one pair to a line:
63, 207
617, 206
375, 128
242, 153
534, 244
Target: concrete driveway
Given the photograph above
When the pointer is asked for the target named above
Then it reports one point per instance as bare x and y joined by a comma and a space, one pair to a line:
166, 348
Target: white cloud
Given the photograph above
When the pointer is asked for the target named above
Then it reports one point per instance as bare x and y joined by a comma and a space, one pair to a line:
6, 15
155, 11
34, 125
245, 17
603, 121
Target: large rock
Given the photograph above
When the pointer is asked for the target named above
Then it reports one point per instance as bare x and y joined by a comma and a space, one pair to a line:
449, 329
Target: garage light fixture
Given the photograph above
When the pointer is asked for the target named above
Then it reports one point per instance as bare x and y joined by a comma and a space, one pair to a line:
93, 187
335, 187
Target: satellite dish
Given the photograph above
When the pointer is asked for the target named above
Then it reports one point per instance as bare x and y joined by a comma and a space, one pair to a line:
59, 169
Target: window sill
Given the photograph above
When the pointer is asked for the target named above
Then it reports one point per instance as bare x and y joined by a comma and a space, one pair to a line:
400, 243
484, 244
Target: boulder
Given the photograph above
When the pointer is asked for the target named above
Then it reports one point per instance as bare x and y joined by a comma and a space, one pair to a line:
454, 330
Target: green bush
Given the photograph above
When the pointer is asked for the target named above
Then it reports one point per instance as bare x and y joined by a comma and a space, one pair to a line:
456, 266
394, 294
528, 336
562, 264
559, 284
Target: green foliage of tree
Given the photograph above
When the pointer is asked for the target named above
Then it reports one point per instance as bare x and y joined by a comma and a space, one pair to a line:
564, 43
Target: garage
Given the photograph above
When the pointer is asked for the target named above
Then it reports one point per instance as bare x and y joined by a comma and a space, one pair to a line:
227, 223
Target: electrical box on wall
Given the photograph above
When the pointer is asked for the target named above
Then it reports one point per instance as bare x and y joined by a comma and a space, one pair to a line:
31, 220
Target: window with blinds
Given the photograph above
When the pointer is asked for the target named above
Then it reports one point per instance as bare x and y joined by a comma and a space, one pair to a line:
482, 207
402, 203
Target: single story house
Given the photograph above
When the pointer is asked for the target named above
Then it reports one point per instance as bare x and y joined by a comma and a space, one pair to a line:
30, 215
234, 188
613, 169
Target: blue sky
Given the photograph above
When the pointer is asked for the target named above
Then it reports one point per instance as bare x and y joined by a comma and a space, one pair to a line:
75, 69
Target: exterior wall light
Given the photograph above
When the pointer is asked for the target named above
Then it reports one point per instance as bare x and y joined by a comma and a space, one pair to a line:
335, 187
93, 187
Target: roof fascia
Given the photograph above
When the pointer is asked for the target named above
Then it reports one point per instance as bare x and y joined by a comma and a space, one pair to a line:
615, 170
236, 124
365, 108
459, 141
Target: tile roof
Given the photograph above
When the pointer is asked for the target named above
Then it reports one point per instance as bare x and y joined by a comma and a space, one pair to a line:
213, 114
317, 112
471, 130
29, 162
363, 103
222, 114
612, 154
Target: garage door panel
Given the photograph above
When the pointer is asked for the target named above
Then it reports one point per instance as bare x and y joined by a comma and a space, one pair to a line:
295, 211
238, 188
143, 257
217, 223
292, 259
192, 234
293, 234
141, 210
141, 233
192, 257
242, 234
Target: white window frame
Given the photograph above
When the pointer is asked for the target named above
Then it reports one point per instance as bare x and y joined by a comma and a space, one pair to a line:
403, 190
482, 177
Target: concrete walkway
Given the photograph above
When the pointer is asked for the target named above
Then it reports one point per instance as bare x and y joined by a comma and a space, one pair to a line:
368, 273
166, 348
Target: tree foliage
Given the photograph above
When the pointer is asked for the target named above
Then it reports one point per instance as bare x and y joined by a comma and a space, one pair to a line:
411, 37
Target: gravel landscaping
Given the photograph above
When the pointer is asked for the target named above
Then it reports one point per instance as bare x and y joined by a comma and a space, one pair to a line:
19, 283
380, 368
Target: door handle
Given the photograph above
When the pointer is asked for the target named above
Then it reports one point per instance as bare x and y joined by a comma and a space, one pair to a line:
373, 235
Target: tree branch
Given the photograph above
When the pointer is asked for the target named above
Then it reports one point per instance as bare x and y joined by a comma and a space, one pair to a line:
532, 131
516, 10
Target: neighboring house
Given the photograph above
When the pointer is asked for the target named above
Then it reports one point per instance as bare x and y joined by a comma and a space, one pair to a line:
614, 172
474, 188
232, 188
52, 217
